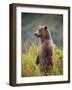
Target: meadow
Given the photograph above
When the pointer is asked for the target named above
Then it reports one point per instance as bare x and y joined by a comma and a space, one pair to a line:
30, 22
29, 67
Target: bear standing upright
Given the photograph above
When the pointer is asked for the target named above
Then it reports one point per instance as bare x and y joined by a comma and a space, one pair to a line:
46, 57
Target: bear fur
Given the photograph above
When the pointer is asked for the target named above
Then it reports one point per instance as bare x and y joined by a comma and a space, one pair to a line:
45, 57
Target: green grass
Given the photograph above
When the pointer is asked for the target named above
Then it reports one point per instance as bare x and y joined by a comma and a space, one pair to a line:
29, 68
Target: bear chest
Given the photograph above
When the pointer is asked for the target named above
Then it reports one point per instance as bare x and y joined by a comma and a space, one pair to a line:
45, 51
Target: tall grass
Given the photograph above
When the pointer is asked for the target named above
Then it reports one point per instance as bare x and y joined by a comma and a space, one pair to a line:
29, 67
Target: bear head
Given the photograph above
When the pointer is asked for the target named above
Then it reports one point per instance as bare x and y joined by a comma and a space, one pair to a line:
42, 32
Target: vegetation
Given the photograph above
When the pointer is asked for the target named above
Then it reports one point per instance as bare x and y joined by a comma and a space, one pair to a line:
29, 67
29, 24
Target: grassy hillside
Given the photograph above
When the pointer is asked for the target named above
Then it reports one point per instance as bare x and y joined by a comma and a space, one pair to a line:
30, 22
29, 67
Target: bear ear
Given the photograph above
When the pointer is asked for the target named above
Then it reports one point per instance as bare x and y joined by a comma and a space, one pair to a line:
45, 27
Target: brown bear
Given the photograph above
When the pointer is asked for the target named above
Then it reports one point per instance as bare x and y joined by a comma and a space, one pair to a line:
45, 57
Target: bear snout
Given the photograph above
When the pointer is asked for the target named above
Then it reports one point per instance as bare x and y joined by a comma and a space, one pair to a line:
37, 34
